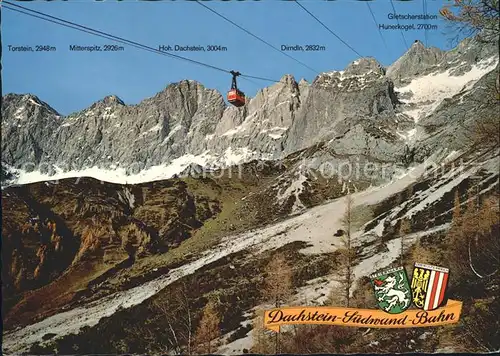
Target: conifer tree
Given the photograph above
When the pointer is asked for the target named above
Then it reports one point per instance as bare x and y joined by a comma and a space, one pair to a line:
208, 329
278, 285
404, 229
259, 335
472, 17
456, 207
346, 254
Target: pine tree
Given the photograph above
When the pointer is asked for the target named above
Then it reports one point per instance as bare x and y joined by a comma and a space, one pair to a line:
399, 199
409, 192
473, 17
349, 252
260, 340
456, 207
404, 229
471, 203
208, 330
278, 284
346, 254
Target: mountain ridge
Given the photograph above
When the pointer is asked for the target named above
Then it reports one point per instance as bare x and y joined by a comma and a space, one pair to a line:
360, 110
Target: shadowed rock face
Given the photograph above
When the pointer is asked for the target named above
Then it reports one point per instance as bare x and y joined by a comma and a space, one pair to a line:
75, 233
356, 100
27, 122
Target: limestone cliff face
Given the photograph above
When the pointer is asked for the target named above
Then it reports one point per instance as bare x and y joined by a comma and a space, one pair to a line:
358, 111
187, 118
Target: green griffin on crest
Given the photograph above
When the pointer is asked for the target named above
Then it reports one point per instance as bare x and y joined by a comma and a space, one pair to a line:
392, 290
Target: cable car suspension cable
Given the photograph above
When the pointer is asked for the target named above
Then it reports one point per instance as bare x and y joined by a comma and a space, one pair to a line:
400, 30
102, 34
80, 29
255, 36
333, 33
376, 24
108, 36
425, 14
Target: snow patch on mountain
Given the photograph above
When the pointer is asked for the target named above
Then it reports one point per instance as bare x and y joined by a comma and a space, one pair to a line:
448, 182
127, 197
295, 188
275, 132
19, 112
128, 175
234, 131
429, 91
158, 127
170, 134
117, 174
34, 102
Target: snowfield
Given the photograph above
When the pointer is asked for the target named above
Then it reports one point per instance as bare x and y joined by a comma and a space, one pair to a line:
118, 175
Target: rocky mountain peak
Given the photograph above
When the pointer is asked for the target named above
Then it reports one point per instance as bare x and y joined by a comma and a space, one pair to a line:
184, 84
22, 99
22, 106
109, 102
364, 66
288, 79
417, 45
33, 99
176, 87
112, 100
290, 83
187, 88
303, 82
415, 61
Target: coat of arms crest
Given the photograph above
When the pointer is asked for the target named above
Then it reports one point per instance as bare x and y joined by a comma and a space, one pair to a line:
429, 286
392, 290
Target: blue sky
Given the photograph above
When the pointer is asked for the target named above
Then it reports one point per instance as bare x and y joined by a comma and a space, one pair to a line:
71, 81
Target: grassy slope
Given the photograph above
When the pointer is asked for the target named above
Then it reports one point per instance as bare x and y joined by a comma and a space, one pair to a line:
210, 210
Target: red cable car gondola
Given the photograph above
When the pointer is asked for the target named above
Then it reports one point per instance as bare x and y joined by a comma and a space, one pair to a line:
235, 96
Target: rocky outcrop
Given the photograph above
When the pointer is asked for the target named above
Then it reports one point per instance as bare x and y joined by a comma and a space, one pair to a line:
416, 61
359, 102
420, 60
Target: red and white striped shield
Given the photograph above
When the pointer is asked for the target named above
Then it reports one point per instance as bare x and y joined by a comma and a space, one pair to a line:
429, 286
